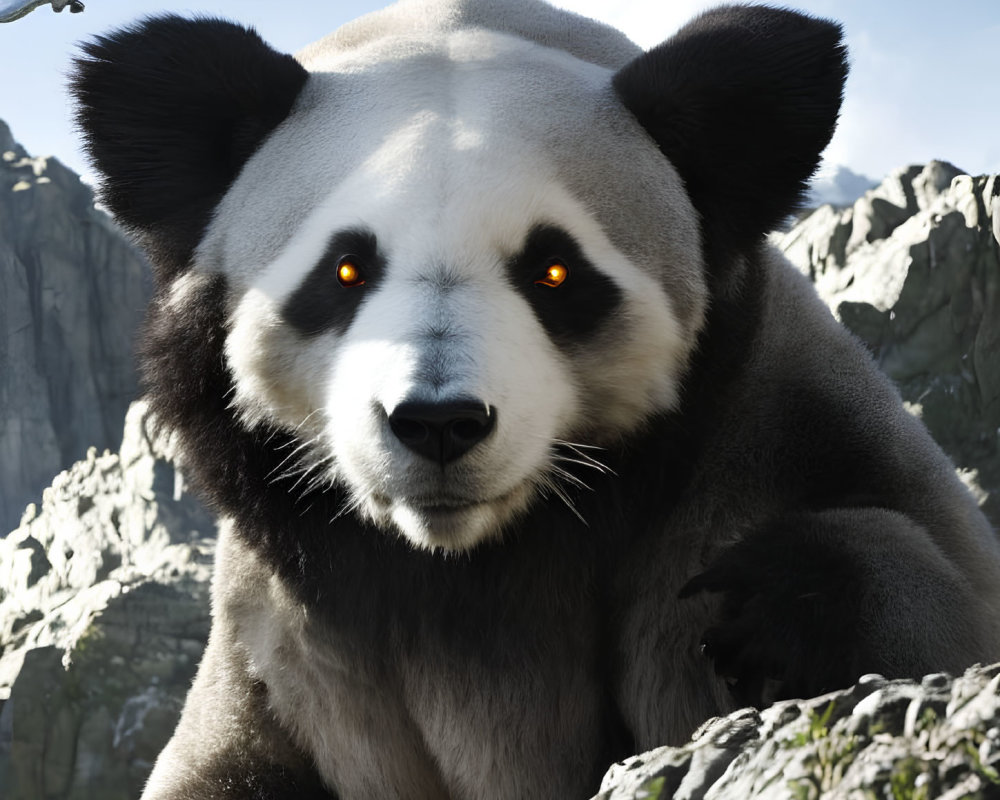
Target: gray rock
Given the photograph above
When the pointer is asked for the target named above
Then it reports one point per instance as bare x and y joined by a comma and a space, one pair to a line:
103, 619
72, 294
880, 739
913, 268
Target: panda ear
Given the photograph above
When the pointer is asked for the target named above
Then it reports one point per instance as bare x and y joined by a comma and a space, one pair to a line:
170, 110
742, 101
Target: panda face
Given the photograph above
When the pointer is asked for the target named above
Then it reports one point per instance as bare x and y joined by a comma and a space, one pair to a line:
436, 311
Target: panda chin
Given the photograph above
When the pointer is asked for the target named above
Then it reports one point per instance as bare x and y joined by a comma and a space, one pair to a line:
450, 526
447, 528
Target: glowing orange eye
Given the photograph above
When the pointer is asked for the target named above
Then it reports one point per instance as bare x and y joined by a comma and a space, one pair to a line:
349, 275
554, 276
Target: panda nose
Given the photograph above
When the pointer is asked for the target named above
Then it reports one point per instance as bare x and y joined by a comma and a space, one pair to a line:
442, 431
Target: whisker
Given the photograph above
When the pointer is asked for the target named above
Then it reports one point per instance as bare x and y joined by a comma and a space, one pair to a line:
580, 445
585, 458
301, 476
305, 510
302, 445
306, 418
319, 480
570, 478
547, 483
305, 469
559, 448
298, 427
349, 506
599, 467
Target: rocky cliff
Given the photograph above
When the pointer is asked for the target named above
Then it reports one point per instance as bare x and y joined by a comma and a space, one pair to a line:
72, 293
913, 268
103, 619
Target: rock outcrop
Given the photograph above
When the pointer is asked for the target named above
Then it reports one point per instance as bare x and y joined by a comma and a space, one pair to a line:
72, 293
103, 619
913, 268
880, 739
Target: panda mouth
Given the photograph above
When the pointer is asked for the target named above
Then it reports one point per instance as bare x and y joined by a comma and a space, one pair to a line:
443, 506
440, 503
450, 504
431, 505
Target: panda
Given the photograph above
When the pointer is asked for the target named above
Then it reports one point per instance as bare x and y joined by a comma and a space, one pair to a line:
531, 452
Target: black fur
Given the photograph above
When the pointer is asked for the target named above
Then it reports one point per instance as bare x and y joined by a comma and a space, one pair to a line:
170, 110
321, 303
579, 307
742, 100
802, 605
792, 603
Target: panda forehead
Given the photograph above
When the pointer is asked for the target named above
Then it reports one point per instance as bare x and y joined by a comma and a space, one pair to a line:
451, 151
445, 162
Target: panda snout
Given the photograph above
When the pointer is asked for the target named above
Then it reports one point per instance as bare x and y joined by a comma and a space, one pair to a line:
442, 431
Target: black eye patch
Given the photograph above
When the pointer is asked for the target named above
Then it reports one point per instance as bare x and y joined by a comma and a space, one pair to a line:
324, 301
578, 304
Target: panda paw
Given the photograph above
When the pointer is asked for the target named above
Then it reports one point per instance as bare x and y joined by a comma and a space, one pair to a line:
791, 607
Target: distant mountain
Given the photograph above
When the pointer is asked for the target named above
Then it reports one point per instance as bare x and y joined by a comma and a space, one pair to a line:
838, 188
72, 293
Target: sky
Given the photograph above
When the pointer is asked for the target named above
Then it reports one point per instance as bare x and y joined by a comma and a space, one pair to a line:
924, 83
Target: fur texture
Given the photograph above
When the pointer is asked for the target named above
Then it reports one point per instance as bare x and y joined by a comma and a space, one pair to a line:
489, 529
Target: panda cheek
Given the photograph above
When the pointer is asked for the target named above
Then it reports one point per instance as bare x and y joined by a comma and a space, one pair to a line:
259, 355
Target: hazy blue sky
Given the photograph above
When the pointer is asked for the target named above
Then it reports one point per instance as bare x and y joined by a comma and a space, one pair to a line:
925, 79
